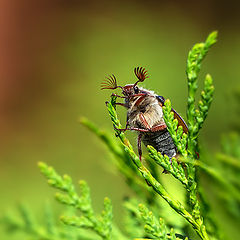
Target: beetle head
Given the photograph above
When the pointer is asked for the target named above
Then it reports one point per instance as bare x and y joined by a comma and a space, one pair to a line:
129, 89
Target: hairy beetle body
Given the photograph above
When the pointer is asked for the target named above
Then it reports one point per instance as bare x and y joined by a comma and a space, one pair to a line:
145, 115
161, 141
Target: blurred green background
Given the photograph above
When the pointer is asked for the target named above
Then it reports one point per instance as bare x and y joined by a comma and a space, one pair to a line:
54, 55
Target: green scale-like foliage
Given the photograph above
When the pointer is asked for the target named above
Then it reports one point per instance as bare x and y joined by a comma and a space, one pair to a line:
101, 224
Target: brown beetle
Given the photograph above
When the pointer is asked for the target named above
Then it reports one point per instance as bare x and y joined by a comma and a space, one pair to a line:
145, 115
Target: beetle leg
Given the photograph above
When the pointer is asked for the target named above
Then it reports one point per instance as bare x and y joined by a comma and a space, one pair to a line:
115, 95
123, 129
139, 94
120, 104
132, 128
159, 127
139, 129
139, 146
127, 123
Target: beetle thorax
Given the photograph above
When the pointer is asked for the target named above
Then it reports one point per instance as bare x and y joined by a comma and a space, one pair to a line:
140, 102
149, 108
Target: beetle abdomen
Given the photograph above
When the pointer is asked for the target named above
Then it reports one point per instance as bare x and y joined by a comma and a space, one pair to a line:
161, 141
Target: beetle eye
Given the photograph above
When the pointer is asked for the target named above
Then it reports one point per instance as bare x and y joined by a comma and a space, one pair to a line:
136, 89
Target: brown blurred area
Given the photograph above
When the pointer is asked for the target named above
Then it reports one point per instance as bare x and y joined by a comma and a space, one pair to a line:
30, 31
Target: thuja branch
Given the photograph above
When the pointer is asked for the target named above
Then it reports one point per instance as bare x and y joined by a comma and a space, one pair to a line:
101, 225
195, 58
158, 188
180, 140
196, 117
157, 227
24, 221
154, 227
187, 143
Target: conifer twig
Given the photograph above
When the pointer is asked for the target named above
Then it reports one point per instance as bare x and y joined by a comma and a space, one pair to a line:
102, 224
196, 117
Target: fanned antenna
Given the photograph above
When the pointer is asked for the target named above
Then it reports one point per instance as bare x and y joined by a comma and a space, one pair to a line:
109, 83
141, 73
